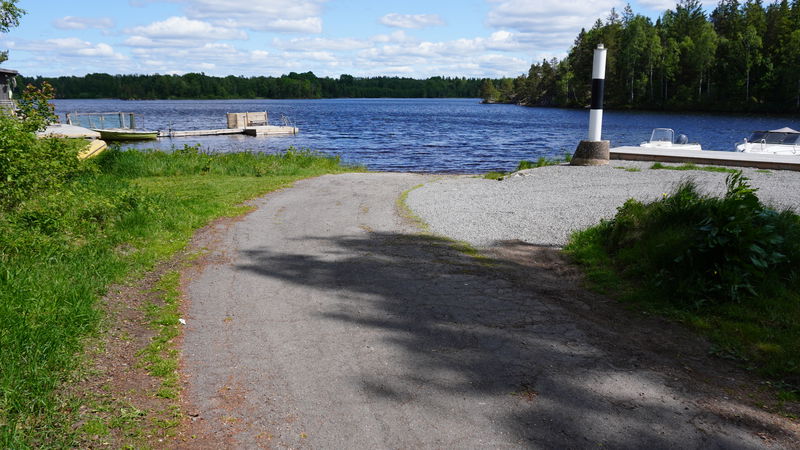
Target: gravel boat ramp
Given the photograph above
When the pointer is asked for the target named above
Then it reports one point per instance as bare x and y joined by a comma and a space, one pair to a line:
325, 319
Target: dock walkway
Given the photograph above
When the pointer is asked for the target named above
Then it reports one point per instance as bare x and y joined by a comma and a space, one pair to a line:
263, 130
720, 158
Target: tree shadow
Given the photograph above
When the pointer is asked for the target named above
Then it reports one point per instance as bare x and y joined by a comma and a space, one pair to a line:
504, 336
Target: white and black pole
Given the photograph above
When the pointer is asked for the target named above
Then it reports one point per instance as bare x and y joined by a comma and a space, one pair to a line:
595, 151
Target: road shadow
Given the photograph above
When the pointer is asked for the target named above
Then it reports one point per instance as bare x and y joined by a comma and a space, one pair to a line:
557, 365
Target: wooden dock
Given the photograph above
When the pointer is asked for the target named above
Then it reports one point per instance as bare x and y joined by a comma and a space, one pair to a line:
264, 130
708, 157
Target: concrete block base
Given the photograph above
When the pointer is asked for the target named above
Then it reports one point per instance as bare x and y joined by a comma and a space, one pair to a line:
591, 153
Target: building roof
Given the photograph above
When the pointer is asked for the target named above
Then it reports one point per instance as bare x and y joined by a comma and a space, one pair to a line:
8, 71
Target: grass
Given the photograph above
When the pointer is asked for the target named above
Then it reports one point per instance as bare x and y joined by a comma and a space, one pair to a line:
461, 247
628, 169
525, 164
690, 166
60, 249
723, 266
160, 357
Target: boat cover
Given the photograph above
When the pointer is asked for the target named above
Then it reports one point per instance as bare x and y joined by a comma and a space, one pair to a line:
784, 130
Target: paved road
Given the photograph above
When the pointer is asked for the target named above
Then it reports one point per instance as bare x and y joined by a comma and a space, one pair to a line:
323, 320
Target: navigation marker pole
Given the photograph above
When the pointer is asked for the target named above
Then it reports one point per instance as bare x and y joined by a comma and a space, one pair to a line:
594, 151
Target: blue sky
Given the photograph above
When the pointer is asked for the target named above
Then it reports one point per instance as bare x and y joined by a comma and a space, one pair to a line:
415, 38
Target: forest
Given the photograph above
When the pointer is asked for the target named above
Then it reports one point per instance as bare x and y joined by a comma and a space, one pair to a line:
293, 85
742, 57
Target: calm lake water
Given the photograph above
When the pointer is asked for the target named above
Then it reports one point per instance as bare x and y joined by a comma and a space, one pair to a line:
423, 135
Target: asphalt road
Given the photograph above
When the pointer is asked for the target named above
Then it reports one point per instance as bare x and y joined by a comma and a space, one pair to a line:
325, 320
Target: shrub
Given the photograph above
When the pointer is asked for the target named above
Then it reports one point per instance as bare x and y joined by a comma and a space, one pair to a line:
35, 108
704, 249
29, 165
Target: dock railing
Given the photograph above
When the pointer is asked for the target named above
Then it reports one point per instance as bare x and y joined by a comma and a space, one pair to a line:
103, 120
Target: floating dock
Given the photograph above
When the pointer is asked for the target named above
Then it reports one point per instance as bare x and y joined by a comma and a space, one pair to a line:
263, 130
249, 123
708, 157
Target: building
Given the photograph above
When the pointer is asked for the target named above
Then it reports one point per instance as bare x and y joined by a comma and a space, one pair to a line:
7, 84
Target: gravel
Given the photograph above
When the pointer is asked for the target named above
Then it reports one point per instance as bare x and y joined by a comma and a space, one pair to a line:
543, 206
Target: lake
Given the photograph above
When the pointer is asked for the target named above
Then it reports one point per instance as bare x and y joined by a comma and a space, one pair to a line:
423, 135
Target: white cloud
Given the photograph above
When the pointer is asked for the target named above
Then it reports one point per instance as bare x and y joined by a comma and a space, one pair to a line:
83, 23
549, 24
464, 57
345, 44
298, 16
411, 20
68, 47
176, 28
659, 5
396, 36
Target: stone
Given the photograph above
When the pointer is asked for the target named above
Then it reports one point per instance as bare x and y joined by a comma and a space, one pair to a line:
591, 153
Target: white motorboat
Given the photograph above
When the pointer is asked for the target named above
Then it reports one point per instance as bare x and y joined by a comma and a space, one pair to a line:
783, 141
664, 138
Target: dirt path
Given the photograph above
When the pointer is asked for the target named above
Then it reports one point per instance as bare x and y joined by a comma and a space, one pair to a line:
323, 320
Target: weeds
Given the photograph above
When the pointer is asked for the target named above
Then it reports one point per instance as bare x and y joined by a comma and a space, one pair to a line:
727, 266
542, 162
690, 166
525, 164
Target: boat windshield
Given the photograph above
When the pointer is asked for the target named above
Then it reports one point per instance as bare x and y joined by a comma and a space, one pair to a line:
662, 135
792, 139
775, 138
757, 136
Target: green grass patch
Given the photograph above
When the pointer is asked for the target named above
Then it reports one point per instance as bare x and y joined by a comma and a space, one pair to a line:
495, 175
110, 220
690, 166
728, 267
628, 169
461, 247
406, 212
160, 357
525, 164
543, 161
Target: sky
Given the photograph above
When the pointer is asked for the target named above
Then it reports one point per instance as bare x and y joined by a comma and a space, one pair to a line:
409, 38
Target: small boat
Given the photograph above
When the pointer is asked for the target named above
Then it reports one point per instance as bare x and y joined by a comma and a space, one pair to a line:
113, 126
665, 138
783, 141
93, 148
126, 134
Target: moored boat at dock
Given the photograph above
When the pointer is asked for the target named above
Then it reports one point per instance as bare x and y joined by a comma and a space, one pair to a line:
783, 141
126, 134
665, 138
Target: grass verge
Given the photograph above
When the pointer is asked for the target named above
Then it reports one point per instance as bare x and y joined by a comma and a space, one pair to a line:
61, 249
690, 166
461, 247
525, 164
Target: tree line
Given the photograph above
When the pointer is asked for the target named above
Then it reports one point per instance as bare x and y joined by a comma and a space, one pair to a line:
291, 86
743, 56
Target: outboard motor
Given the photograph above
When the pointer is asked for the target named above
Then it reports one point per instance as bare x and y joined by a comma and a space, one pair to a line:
681, 139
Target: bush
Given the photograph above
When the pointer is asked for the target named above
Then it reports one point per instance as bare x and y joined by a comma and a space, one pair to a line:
704, 249
29, 165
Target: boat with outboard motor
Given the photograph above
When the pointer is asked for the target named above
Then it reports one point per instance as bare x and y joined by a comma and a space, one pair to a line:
665, 138
783, 141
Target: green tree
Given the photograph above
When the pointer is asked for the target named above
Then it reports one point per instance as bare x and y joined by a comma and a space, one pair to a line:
489, 93
10, 14
749, 44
